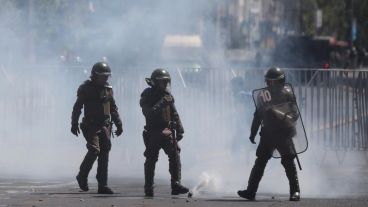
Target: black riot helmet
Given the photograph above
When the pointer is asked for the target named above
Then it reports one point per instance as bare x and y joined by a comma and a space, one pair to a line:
100, 69
275, 76
157, 75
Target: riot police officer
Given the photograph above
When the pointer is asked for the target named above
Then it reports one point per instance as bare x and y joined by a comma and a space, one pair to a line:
100, 111
163, 129
276, 134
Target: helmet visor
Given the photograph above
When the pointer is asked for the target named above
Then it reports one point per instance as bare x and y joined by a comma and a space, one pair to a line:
103, 73
163, 78
274, 82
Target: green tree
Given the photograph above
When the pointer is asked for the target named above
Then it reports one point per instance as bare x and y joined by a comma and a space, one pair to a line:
360, 12
337, 18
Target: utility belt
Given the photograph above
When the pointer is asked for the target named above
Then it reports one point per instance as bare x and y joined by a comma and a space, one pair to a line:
286, 132
157, 126
106, 121
148, 129
104, 125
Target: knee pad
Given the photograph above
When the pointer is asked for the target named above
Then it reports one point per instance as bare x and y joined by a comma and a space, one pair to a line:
93, 149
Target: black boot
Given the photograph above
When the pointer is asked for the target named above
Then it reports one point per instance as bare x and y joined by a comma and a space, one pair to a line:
292, 176
177, 188
295, 196
104, 190
102, 173
254, 179
247, 194
148, 191
82, 182
175, 171
149, 174
84, 170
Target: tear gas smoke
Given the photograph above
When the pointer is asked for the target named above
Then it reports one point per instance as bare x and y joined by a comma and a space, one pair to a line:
38, 89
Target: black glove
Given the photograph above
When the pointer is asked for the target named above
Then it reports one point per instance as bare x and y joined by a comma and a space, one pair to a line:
119, 130
179, 136
75, 129
251, 138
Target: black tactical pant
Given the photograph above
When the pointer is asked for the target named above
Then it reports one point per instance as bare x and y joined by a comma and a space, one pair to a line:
99, 146
154, 141
282, 142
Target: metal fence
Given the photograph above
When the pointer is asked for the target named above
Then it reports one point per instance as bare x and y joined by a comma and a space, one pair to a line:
333, 104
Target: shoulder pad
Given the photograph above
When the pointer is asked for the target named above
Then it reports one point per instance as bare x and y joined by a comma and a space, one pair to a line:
289, 93
288, 90
85, 84
83, 87
108, 86
147, 92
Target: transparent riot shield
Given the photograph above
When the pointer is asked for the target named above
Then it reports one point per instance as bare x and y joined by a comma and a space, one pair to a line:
279, 109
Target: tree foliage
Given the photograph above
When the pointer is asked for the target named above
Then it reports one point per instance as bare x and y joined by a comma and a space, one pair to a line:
337, 18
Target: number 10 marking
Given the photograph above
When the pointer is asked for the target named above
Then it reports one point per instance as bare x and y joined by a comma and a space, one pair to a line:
266, 96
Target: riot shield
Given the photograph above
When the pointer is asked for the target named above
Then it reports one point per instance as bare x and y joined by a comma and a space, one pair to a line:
279, 109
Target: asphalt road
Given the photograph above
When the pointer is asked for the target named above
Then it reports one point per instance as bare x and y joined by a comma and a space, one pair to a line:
129, 192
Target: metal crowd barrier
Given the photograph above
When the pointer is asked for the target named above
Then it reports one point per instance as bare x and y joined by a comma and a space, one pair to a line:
333, 103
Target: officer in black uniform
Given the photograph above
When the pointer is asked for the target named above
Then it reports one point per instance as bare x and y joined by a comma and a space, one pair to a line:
100, 110
275, 133
163, 129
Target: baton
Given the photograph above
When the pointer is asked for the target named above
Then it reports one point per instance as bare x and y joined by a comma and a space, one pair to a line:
297, 159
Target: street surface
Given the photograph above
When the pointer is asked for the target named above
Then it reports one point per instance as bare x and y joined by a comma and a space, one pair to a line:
129, 192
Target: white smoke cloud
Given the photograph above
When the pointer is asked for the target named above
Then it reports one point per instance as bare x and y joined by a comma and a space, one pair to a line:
36, 108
